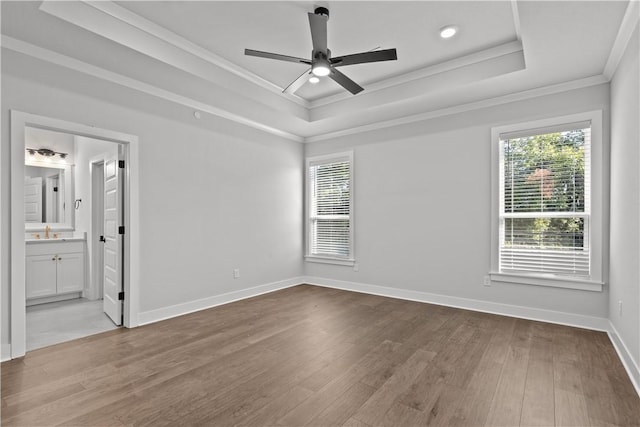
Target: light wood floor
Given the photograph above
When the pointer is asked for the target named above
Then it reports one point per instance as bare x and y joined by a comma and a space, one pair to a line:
316, 356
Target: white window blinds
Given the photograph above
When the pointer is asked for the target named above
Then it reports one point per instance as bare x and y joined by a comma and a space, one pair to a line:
545, 180
329, 207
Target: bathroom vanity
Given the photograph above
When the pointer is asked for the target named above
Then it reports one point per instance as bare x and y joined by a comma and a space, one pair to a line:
54, 269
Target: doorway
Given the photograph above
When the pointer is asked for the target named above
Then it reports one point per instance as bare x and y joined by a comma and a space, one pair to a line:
74, 315
128, 273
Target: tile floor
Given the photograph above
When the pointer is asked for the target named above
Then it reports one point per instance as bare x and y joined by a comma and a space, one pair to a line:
57, 322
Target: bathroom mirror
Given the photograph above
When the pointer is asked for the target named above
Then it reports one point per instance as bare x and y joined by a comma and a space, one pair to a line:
48, 196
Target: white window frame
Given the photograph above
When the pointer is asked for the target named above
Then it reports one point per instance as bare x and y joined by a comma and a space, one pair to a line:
595, 234
329, 158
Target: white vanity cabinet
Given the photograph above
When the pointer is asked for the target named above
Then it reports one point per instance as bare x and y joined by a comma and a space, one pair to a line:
54, 268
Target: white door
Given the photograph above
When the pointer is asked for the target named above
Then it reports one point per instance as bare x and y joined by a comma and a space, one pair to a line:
112, 242
33, 199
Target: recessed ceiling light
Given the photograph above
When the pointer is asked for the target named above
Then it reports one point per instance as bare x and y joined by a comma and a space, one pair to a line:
448, 31
314, 79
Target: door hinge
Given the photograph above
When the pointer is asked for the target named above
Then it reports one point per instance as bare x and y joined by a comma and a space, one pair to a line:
121, 164
101, 238
120, 296
121, 229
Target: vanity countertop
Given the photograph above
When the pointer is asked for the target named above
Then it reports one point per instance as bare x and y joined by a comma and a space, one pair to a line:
58, 240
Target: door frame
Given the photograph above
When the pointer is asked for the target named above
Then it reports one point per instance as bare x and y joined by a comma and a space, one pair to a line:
131, 269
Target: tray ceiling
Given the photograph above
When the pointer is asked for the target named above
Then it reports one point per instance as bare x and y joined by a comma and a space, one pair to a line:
192, 53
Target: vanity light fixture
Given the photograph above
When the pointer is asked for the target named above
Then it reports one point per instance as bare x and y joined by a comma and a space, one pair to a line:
45, 152
448, 31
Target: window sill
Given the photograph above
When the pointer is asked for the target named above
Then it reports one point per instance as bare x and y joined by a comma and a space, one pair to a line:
328, 260
551, 281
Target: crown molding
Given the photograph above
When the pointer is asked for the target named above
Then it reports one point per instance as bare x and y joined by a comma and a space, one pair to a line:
628, 25
462, 108
162, 33
100, 73
135, 32
516, 19
489, 54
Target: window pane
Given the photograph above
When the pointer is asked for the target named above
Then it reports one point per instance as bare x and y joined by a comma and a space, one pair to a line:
330, 208
332, 189
545, 173
544, 233
331, 237
544, 202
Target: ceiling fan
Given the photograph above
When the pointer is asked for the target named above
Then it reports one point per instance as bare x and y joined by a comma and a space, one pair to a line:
321, 62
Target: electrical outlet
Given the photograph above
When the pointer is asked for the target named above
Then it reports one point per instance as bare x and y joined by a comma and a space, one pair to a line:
236, 273
487, 281
620, 308
356, 267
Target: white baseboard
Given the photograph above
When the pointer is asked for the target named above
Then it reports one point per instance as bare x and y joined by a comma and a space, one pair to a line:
164, 313
5, 352
633, 370
549, 316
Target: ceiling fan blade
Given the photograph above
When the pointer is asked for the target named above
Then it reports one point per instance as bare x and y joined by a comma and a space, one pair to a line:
345, 81
277, 56
318, 24
361, 58
297, 83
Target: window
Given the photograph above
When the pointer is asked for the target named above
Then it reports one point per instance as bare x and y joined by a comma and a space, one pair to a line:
547, 230
330, 209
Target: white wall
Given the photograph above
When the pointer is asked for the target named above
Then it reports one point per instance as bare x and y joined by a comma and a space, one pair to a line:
214, 195
625, 199
422, 206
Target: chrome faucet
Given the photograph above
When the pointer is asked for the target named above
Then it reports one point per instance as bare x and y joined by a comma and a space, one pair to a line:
46, 231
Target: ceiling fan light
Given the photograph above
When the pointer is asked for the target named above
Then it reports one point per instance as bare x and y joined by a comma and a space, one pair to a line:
320, 69
314, 79
448, 31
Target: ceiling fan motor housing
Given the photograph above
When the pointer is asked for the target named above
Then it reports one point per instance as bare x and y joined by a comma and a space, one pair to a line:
322, 11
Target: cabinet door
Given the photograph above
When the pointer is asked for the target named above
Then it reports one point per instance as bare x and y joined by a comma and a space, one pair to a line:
41, 276
70, 273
